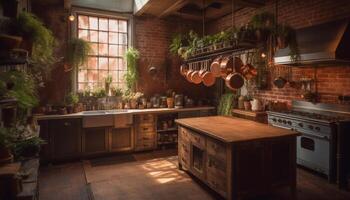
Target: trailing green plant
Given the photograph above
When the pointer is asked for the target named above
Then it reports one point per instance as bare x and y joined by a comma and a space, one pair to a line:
131, 75
77, 52
6, 139
263, 20
71, 99
225, 104
43, 41
176, 44
21, 86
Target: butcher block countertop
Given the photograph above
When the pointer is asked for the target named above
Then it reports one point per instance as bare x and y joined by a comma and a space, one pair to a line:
232, 129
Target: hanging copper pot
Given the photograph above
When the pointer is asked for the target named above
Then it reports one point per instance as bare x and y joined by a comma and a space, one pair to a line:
229, 64
248, 70
234, 80
208, 78
195, 78
189, 72
215, 67
183, 69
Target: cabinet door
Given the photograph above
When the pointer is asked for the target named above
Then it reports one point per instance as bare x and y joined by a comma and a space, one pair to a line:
95, 140
65, 137
121, 139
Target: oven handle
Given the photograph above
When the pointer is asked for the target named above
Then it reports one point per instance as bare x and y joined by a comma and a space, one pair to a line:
316, 136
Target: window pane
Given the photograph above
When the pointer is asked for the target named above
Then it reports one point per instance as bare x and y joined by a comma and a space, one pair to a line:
121, 51
121, 74
92, 75
94, 48
82, 86
114, 75
93, 23
121, 64
122, 84
123, 39
93, 36
92, 63
92, 85
113, 25
103, 49
113, 50
82, 75
103, 37
113, 64
103, 63
122, 26
83, 34
113, 38
103, 24
83, 21
102, 76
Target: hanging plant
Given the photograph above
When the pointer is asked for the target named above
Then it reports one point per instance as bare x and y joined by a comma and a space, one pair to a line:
225, 105
263, 24
77, 52
176, 44
131, 75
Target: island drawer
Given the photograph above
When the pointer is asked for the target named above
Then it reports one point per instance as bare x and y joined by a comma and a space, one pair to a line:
184, 134
216, 148
145, 118
216, 166
184, 153
197, 139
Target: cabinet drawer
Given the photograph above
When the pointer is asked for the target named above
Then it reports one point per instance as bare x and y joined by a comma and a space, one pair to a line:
216, 148
146, 137
146, 128
197, 140
142, 144
146, 118
184, 134
218, 183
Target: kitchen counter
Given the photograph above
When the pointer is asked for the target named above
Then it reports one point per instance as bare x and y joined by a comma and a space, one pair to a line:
232, 129
121, 112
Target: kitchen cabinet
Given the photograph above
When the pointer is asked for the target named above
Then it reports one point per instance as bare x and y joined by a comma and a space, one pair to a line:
237, 161
121, 139
95, 140
145, 132
64, 138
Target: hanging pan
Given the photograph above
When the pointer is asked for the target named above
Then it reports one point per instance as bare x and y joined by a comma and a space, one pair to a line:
228, 63
183, 69
235, 80
215, 67
208, 78
195, 78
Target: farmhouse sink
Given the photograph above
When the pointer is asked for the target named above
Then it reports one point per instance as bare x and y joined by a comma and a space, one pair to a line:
103, 112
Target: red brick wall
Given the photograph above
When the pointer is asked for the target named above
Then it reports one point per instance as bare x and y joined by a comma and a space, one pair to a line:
331, 80
152, 39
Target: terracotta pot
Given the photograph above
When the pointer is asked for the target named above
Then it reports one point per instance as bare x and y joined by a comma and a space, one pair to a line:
127, 105
170, 102
5, 155
133, 103
247, 105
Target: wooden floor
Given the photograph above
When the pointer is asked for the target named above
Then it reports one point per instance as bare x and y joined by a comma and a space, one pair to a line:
83, 180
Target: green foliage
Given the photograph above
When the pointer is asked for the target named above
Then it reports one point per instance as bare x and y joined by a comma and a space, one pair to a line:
247, 98
27, 147
131, 75
263, 20
77, 52
99, 93
5, 138
23, 88
176, 44
117, 92
225, 105
109, 79
71, 99
44, 44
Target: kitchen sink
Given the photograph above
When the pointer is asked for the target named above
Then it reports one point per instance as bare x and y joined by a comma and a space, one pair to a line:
103, 112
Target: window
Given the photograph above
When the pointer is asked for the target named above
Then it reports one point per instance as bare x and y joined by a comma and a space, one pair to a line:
109, 40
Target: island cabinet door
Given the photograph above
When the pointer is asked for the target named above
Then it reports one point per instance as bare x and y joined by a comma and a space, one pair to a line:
95, 140
65, 138
121, 139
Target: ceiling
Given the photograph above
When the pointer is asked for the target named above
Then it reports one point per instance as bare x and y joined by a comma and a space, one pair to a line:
193, 9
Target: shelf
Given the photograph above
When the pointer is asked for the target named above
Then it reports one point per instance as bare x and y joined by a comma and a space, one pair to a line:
167, 130
160, 143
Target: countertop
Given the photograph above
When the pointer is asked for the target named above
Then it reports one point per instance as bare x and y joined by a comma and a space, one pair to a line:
232, 129
123, 112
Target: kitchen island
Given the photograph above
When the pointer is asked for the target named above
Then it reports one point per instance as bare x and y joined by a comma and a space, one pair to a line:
237, 157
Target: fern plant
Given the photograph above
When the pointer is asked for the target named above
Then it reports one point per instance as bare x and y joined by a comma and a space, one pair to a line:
131, 75
77, 52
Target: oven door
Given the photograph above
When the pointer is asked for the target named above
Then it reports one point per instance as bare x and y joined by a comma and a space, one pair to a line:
313, 151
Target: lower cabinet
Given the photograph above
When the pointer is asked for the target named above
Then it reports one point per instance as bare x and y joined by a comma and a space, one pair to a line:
64, 138
95, 140
121, 139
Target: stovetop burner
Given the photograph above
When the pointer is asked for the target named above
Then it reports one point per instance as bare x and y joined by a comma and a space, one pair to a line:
315, 116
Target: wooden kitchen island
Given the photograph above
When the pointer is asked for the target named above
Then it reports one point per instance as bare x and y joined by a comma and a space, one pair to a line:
237, 157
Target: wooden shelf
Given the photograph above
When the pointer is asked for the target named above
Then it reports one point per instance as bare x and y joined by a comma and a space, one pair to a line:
167, 130
259, 116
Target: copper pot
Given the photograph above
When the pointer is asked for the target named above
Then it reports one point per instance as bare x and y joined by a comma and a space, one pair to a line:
208, 78
229, 64
189, 72
234, 80
183, 69
195, 78
248, 70
215, 67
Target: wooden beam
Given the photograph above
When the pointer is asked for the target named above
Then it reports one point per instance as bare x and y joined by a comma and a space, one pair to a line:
250, 3
173, 8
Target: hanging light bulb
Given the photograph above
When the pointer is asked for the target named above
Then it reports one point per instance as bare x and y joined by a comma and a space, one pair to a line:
71, 17
263, 55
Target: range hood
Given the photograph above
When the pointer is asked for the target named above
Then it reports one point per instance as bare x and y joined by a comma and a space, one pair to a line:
327, 43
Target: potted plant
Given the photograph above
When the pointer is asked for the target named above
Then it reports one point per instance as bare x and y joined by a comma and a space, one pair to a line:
71, 101
118, 94
77, 53
5, 146
100, 95
108, 82
134, 97
263, 23
176, 44
247, 104
131, 75
170, 98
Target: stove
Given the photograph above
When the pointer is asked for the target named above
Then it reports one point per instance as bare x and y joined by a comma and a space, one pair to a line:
318, 125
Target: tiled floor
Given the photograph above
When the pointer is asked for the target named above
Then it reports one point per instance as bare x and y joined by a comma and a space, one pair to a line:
154, 176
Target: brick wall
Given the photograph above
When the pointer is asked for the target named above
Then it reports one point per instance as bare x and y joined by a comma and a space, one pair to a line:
331, 80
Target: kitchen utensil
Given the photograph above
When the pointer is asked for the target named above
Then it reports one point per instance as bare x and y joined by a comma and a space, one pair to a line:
189, 72
235, 80
195, 78
227, 64
279, 82
203, 68
183, 69
208, 77
215, 67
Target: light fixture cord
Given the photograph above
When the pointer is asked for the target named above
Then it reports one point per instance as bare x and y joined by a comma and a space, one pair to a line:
233, 16
203, 18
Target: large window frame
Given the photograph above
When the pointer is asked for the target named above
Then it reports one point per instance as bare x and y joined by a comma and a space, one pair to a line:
99, 14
